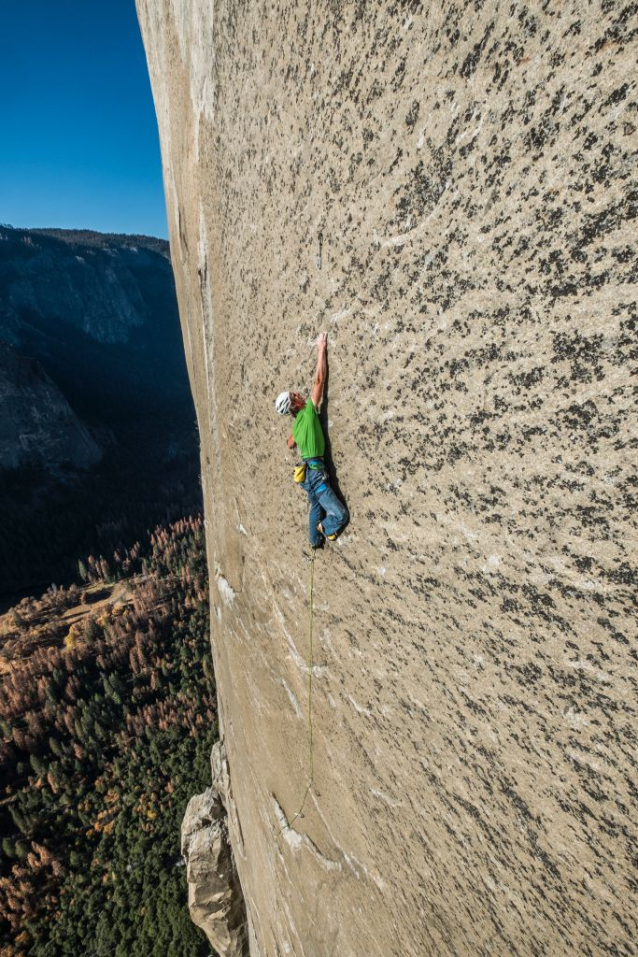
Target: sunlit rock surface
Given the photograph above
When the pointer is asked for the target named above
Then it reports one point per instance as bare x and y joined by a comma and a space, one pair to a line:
449, 190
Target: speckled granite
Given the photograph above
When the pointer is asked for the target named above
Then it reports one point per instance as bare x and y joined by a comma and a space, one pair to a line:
450, 191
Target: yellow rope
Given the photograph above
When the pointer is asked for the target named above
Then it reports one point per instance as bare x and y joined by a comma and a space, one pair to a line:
310, 670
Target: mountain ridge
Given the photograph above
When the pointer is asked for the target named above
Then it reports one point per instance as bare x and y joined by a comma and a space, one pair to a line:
98, 315
89, 237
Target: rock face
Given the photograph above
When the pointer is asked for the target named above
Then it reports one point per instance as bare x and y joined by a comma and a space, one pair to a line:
448, 190
89, 280
214, 893
37, 425
91, 367
98, 314
98, 311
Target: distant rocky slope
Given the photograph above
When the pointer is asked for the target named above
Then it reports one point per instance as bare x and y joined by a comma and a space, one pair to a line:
93, 288
37, 425
93, 376
450, 190
98, 311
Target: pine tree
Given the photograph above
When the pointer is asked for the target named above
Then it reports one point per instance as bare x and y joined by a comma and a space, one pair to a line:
56, 747
8, 848
21, 850
37, 764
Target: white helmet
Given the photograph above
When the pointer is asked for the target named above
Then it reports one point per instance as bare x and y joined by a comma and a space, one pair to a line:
282, 403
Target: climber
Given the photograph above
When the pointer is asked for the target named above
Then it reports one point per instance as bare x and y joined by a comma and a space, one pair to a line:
328, 516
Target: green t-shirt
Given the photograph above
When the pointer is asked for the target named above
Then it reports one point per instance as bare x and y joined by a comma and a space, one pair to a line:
307, 432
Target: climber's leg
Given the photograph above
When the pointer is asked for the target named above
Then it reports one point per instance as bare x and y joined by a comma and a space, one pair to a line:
337, 514
316, 515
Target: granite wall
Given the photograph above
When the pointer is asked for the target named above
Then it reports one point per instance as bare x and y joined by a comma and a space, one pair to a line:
450, 191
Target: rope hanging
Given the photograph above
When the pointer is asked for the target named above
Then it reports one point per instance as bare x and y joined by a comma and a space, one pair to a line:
311, 765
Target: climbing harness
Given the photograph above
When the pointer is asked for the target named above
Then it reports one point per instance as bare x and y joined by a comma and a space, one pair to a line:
311, 765
315, 465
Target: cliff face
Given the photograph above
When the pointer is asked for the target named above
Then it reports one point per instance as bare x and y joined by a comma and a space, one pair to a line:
92, 283
449, 191
91, 367
37, 424
98, 311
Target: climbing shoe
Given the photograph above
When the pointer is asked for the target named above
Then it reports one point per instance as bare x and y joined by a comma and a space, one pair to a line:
331, 538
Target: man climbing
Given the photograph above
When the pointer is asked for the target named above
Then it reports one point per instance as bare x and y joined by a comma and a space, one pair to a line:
328, 516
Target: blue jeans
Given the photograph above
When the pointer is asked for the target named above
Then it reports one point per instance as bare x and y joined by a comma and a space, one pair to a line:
325, 507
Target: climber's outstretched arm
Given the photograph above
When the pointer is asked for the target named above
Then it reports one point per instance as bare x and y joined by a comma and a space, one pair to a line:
321, 371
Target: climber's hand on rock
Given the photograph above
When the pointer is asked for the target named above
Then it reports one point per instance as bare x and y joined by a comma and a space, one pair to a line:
322, 340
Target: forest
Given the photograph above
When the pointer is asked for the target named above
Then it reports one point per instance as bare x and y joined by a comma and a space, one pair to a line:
47, 523
107, 714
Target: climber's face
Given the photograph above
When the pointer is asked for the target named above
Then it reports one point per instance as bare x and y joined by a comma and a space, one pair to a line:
297, 402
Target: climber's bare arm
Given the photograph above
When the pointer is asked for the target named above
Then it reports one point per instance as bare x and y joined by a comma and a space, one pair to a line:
322, 368
290, 442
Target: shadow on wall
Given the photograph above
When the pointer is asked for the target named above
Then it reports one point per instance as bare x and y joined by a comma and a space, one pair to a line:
323, 418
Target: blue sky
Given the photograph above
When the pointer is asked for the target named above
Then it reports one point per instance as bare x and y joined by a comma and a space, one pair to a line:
78, 136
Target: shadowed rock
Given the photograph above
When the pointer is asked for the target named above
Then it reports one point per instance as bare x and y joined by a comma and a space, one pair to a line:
37, 425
